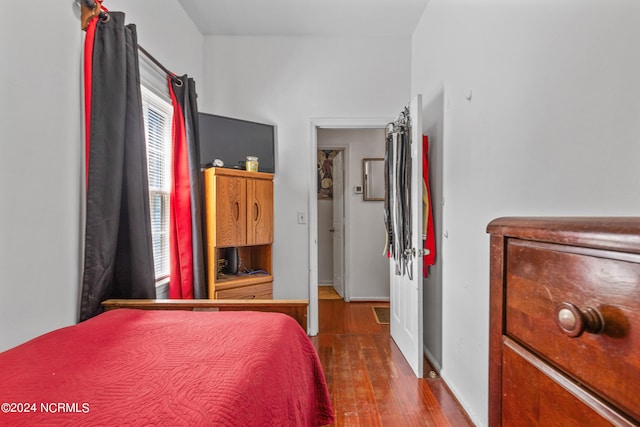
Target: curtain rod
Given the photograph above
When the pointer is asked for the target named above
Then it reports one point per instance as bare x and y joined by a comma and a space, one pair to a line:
171, 75
92, 8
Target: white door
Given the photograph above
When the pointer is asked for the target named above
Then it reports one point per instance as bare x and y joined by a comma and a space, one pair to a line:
406, 292
338, 224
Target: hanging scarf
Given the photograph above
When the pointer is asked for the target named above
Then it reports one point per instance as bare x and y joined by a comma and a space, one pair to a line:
428, 230
397, 203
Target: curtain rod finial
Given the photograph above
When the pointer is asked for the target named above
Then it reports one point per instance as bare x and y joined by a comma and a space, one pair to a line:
87, 13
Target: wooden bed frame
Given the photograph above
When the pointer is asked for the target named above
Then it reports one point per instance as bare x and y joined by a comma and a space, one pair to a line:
294, 308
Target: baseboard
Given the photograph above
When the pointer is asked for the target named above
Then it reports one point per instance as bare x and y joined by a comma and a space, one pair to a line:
461, 402
432, 360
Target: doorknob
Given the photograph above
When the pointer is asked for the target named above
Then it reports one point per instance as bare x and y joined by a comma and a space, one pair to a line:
331, 230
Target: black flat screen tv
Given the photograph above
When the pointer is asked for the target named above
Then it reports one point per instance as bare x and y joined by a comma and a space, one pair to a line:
232, 140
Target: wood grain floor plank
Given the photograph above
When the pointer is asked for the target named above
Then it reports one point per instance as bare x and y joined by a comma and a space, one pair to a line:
369, 380
344, 392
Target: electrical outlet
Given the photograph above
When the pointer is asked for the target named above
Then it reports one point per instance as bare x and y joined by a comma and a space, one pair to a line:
302, 218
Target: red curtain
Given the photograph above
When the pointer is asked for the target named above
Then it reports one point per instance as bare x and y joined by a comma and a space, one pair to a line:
186, 242
88, 78
180, 234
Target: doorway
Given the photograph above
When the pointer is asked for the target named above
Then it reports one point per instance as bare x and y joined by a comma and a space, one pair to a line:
331, 219
352, 180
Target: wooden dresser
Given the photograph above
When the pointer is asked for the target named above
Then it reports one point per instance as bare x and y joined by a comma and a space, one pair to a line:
564, 322
239, 212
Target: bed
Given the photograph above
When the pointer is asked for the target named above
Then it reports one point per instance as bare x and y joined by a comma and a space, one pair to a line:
130, 366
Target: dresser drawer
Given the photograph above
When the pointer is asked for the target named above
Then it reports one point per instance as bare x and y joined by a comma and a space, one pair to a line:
547, 397
541, 276
259, 291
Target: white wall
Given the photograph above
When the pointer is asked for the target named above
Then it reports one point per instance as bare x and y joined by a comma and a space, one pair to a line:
41, 158
288, 81
39, 168
366, 268
167, 33
552, 128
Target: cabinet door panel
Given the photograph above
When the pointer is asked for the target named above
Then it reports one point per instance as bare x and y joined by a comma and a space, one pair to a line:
259, 211
231, 211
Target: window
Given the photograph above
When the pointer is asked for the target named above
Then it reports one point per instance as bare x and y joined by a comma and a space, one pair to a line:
158, 114
157, 122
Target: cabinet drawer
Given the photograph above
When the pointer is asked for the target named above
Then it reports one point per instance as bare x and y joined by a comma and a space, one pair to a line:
541, 276
260, 291
548, 396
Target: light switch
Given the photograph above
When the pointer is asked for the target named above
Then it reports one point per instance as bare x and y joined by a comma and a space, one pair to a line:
302, 218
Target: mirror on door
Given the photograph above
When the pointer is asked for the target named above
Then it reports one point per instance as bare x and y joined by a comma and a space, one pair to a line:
373, 179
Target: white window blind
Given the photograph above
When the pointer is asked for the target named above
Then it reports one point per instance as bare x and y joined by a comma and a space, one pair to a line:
158, 114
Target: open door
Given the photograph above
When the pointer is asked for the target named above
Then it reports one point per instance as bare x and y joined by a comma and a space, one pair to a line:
338, 224
406, 288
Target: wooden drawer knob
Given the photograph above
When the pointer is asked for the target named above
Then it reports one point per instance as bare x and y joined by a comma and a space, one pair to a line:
573, 321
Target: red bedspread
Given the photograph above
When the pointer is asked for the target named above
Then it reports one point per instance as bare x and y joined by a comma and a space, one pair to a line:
137, 367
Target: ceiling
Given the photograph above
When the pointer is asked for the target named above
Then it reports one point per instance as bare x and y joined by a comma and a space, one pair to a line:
305, 17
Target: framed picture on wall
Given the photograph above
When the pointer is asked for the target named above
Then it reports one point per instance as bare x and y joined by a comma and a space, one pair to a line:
373, 179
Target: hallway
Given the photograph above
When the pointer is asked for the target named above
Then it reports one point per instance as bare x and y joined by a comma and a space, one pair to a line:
370, 382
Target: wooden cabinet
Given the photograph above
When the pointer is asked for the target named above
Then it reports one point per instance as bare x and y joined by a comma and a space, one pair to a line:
564, 322
239, 212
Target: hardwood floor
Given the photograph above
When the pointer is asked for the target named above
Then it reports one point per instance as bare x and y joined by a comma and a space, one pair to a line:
370, 382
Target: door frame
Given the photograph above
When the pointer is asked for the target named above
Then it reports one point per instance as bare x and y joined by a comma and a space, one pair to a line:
314, 125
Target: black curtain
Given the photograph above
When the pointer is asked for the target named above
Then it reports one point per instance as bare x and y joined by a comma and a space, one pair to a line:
187, 267
118, 248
